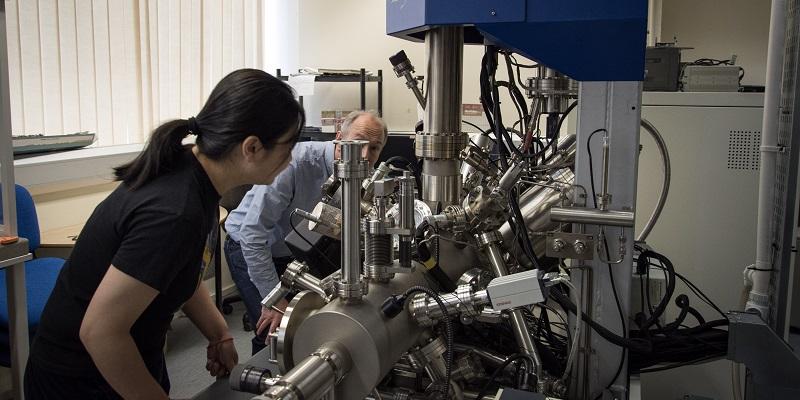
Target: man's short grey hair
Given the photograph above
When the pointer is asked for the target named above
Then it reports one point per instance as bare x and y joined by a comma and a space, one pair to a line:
348, 120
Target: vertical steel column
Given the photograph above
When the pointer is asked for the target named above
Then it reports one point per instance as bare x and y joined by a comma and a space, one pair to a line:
351, 169
490, 243
442, 140
758, 299
614, 106
786, 187
380, 93
363, 88
15, 274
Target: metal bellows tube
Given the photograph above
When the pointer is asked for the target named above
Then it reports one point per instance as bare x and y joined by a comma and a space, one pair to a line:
662, 197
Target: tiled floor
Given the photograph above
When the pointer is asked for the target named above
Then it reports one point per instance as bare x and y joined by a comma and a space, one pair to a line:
186, 353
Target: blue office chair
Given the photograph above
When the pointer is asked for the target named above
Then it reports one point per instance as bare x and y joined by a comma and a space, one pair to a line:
40, 273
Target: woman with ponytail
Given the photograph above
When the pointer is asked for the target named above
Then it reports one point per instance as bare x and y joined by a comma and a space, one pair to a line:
140, 256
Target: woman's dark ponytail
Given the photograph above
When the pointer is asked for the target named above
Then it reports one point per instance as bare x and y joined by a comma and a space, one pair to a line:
247, 102
159, 156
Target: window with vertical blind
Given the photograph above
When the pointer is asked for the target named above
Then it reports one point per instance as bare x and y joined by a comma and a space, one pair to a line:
121, 67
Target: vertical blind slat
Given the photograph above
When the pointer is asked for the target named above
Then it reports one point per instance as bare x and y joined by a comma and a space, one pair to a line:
121, 67
14, 68
31, 64
70, 92
50, 53
102, 70
84, 31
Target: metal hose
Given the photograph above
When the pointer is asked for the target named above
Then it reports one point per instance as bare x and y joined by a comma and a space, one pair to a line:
662, 197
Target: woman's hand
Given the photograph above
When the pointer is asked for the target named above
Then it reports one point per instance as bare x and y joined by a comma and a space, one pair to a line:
271, 318
222, 357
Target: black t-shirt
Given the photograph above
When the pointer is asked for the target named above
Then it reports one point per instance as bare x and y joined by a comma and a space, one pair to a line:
155, 234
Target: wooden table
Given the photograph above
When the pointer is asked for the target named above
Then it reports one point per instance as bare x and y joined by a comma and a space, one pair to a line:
60, 238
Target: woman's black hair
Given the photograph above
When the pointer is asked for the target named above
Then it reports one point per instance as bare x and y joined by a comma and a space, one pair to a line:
247, 102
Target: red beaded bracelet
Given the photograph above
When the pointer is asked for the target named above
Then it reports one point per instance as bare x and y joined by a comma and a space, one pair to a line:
218, 342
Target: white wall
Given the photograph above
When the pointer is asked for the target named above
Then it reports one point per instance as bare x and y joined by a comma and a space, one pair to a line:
352, 34
718, 28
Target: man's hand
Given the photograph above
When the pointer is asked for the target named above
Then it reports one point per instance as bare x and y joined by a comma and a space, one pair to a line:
222, 357
271, 318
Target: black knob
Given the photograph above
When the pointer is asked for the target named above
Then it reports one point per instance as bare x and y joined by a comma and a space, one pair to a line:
398, 58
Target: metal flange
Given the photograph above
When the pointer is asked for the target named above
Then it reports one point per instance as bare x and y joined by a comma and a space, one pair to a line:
299, 308
443, 146
350, 170
487, 238
351, 292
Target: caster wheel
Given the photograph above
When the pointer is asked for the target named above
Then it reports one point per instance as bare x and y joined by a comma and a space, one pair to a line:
227, 309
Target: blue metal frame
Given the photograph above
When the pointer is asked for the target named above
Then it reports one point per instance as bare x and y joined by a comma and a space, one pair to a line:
588, 40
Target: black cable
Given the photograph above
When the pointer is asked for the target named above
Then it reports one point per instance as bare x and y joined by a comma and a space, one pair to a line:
517, 64
392, 159
486, 98
522, 109
644, 259
505, 142
519, 74
448, 328
493, 100
699, 293
514, 90
558, 130
294, 228
673, 344
496, 373
473, 125
647, 291
425, 256
591, 167
637, 345
621, 315
699, 328
411, 166
520, 229
641, 292
610, 270
710, 61
564, 116
680, 364
696, 314
760, 269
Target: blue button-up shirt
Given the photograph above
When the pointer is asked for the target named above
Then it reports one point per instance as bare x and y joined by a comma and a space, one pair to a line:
261, 222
